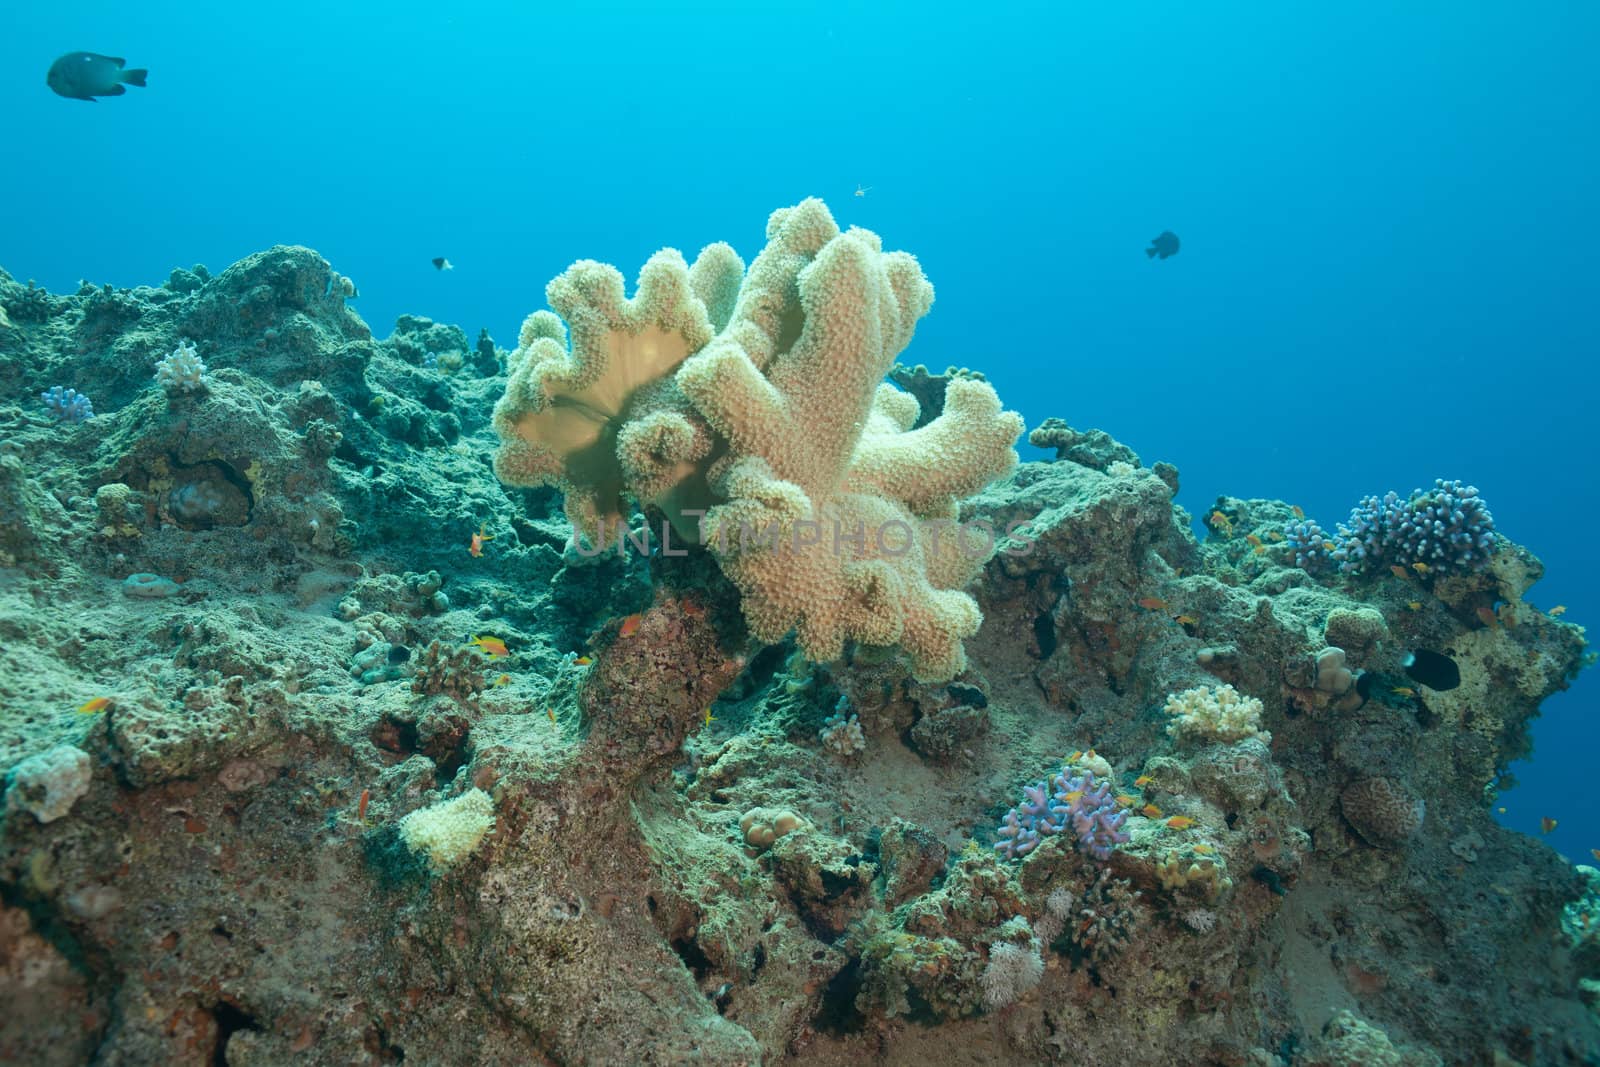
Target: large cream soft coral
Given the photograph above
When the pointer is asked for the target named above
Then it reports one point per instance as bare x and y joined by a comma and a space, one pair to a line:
749, 408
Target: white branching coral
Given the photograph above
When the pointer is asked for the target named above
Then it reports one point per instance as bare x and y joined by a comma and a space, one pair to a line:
449, 831
181, 370
1219, 713
842, 735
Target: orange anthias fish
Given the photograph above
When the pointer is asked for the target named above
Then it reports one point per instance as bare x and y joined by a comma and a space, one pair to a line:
630, 625
1421, 567
1595, 852
1558, 611
1142, 781
1126, 801
1398, 571
1486, 616
1253, 539
1186, 620
1299, 512
1153, 603
1204, 850
97, 704
1150, 811
1072, 797
1221, 523
492, 645
1179, 822
504, 679
476, 548
1547, 824
1413, 605
1403, 691
581, 661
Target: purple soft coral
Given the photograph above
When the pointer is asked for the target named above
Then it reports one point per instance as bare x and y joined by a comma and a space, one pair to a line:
1076, 802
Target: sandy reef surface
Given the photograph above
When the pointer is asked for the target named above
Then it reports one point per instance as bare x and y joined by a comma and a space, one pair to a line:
312, 822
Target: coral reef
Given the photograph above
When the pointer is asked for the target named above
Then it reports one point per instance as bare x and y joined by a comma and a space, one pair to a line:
265, 804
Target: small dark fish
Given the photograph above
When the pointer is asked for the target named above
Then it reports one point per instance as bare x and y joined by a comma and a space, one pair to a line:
86, 75
440, 263
1164, 246
1271, 879
1434, 670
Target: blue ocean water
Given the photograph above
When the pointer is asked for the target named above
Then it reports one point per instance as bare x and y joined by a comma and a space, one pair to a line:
1389, 269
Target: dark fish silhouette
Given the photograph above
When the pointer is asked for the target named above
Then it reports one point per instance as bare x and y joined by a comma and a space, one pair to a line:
1432, 669
86, 75
1164, 246
440, 263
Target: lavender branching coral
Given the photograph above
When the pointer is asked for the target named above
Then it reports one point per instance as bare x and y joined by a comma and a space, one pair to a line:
1447, 528
1312, 546
67, 405
1067, 802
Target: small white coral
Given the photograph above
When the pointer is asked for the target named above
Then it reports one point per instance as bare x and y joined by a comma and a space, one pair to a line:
181, 370
1221, 713
1057, 910
449, 831
1012, 971
843, 735
49, 783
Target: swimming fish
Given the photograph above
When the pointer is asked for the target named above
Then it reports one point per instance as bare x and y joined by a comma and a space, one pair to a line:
86, 75
1299, 512
1404, 691
1179, 822
1398, 571
97, 704
1413, 605
1072, 797
1152, 603
710, 718
1186, 620
1150, 811
1126, 801
492, 645
1205, 850
1595, 852
1558, 611
1142, 781
549, 711
1436, 671
1253, 539
1420, 567
1547, 824
630, 625
475, 549
581, 661
1164, 245
440, 263
504, 679
1487, 617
